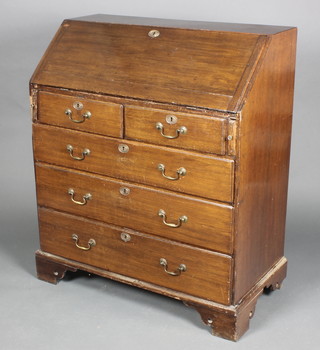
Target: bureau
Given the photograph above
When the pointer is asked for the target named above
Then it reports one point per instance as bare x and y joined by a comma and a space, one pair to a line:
161, 153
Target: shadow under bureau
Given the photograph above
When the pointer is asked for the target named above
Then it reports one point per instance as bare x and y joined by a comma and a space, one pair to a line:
161, 153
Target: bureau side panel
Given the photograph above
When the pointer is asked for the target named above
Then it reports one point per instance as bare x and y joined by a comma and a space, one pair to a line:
262, 170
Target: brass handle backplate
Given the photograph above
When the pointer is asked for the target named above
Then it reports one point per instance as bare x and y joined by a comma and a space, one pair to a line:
177, 272
180, 131
85, 197
84, 116
91, 242
84, 153
180, 172
163, 215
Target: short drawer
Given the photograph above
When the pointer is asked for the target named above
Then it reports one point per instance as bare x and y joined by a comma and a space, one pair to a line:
182, 130
187, 172
202, 273
79, 113
178, 217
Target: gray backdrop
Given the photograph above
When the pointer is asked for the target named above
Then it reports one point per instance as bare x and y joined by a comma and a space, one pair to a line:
94, 313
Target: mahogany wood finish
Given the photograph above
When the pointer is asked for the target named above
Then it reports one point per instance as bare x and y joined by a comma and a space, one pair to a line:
209, 224
52, 109
265, 135
203, 133
231, 87
203, 267
183, 60
229, 322
216, 174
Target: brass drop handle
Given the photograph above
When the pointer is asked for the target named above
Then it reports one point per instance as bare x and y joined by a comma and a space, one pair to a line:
180, 131
177, 272
180, 172
85, 197
84, 116
84, 153
163, 215
91, 242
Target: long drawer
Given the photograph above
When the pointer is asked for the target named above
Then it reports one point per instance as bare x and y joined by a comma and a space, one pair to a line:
158, 166
197, 272
178, 217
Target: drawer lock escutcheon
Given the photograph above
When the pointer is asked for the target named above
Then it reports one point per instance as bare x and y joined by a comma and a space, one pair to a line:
125, 237
183, 219
125, 191
154, 33
180, 131
171, 119
84, 116
177, 272
84, 153
91, 242
123, 148
180, 172
85, 198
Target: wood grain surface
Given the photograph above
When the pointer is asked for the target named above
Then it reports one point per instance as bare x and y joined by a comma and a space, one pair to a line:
231, 86
106, 118
263, 160
203, 134
209, 224
202, 69
139, 164
207, 274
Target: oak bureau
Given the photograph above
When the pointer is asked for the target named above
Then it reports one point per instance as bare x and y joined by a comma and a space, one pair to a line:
161, 153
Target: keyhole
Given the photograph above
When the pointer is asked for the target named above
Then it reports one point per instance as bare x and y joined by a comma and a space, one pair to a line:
171, 119
77, 105
125, 237
123, 148
125, 191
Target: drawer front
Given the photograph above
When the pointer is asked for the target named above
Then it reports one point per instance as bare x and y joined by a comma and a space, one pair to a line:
207, 274
205, 176
78, 113
200, 223
181, 130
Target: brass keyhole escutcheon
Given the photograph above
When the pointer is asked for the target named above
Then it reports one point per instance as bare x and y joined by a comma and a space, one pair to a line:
171, 119
77, 105
154, 33
125, 191
123, 148
125, 237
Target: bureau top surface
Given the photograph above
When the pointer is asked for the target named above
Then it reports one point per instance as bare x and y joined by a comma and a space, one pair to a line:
185, 24
188, 63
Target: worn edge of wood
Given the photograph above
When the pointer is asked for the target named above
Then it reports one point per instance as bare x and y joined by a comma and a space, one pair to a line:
34, 104
232, 132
